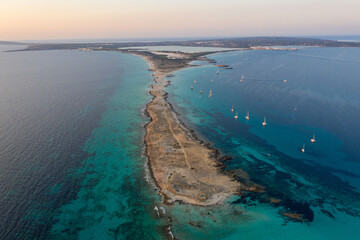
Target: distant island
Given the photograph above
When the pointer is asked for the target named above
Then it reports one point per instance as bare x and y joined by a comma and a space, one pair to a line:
246, 42
11, 43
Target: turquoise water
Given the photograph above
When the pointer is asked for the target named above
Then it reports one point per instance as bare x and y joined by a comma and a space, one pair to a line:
320, 96
115, 201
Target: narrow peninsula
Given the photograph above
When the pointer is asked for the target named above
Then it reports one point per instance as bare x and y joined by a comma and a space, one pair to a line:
182, 167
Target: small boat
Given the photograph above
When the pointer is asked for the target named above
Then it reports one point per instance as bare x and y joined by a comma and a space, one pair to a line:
192, 88
232, 108
247, 116
210, 93
285, 81
313, 139
242, 78
212, 80
217, 72
303, 148
264, 123
236, 116
200, 91
195, 81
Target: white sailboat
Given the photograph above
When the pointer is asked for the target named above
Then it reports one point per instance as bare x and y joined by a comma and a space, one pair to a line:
217, 72
236, 116
192, 88
232, 108
303, 148
264, 123
247, 116
313, 139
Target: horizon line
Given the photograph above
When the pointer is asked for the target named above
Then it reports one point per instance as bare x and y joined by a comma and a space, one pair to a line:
181, 38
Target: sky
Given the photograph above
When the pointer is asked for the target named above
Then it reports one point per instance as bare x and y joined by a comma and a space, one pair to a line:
93, 19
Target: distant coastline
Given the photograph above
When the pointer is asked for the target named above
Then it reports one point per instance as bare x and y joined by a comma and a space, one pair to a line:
11, 43
246, 43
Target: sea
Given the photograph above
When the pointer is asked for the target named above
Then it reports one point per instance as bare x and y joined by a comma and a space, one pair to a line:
72, 154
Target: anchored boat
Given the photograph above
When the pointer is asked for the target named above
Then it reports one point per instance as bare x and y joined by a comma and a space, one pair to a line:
247, 116
313, 139
264, 123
